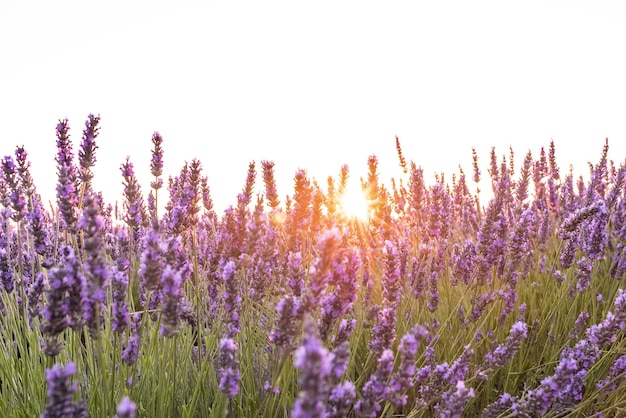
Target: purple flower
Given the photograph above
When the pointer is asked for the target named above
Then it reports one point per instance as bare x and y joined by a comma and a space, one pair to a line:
327, 246
453, 401
376, 389
343, 276
384, 330
133, 200
232, 300
579, 325
61, 394
97, 271
152, 264
597, 237
171, 282
287, 323
316, 365
16, 196
131, 351
34, 296
126, 408
616, 373
64, 297
341, 400
295, 273
403, 379
87, 152
464, 262
391, 278
120, 317
156, 164
67, 186
6, 271
228, 368
504, 353
271, 194
497, 408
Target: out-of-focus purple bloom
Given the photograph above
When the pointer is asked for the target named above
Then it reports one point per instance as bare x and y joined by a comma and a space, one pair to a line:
126, 408
120, 317
97, 271
583, 273
403, 379
340, 359
475, 165
391, 278
327, 246
16, 189
171, 282
497, 408
288, 320
227, 366
376, 389
63, 308
453, 401
61, 394
152, 264
479, 304
6, 271
341, 399
133, 200
232, 299
579, 325
433, 297
384, 332
343, 276
34, 296
596, 238
344, 330
605, 332
505, 352
295, 273
464, 262
573, 221
316, 365
616, 373
131, 351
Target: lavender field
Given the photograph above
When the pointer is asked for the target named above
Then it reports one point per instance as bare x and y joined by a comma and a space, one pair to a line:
433, 304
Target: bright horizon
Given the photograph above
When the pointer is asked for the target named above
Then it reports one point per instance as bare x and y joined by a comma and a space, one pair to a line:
311, 87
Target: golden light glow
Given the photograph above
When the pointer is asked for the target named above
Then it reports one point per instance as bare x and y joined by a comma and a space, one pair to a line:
354, 204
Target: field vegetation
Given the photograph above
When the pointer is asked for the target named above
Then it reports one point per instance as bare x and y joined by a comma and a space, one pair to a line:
429, 303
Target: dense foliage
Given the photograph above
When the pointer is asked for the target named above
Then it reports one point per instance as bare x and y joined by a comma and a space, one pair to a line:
435, 305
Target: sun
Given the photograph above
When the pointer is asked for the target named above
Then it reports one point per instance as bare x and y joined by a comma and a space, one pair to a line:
354, 204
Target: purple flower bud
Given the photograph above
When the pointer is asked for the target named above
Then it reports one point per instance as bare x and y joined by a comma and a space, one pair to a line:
227, 366
126, 408
61, 393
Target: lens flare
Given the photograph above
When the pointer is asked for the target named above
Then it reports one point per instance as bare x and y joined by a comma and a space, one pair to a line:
354, 204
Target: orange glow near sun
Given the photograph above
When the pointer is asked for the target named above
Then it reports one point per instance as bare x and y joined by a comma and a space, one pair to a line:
354, 204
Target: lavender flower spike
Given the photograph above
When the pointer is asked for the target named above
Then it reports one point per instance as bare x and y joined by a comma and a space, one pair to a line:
315, 365
228, 368
503, 353
126, 408
453, 402
61, 394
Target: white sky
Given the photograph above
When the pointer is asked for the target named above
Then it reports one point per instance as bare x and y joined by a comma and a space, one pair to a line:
311, 86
